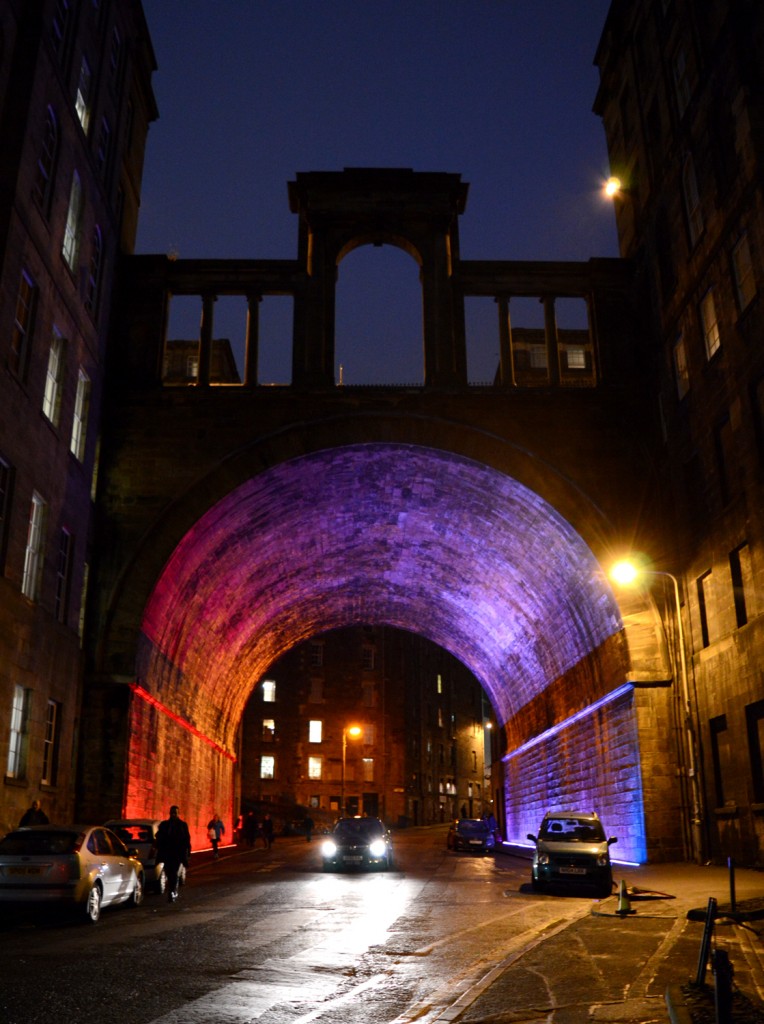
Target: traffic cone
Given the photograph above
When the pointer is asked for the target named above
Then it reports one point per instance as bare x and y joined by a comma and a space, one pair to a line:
624, 907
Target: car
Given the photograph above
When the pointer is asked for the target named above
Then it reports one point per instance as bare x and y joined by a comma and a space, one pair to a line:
358, 842
141, 834
472, 834
571, 849
80, 867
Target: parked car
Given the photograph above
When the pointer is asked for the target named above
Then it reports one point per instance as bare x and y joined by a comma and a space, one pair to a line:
358, 843
473, 834
571, 849
85, 867
141, 834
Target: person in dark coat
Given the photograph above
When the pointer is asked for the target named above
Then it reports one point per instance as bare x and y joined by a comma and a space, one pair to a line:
34, 815
173, 849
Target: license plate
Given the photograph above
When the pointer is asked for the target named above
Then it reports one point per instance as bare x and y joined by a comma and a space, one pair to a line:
24, 869
476, 842
353, 860
572, 871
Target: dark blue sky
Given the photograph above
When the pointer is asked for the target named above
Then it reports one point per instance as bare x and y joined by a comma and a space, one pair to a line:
252, 91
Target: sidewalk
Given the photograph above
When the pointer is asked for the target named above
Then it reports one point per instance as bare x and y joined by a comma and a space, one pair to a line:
680, 890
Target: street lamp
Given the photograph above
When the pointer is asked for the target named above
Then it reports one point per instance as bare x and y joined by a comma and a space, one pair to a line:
625, 573
354, 731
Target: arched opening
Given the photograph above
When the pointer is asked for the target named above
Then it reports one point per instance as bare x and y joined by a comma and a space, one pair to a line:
378, 333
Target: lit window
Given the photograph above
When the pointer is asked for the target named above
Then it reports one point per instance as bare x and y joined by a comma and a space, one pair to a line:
80, 420
33, 555
21, 333
267, 766
314, 731
368, 769
576, 358
711, 336
51, 744
745, 282
42, 190
692, 207
439, 684
71, 246
63, 575
680, 367
16, 767
82, 99
269, 728
269, 691
314, 767
54, 378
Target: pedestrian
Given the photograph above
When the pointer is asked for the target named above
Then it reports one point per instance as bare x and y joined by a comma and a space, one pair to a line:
250, 828
215, 830
268, 830
34, 815
173, 849
308, 823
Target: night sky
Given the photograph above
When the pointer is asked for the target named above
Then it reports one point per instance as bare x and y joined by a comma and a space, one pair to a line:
252, 91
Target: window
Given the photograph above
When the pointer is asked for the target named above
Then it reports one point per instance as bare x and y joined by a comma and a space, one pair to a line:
269, 691
269, 729
315, 729
63, 575
692, 207
33, 555
316, 655
680, 368
742, 582
80, 419
42, 190
21, 332
368, 735
367, 768
742, 266
316, 691
710, 324
103, 147
71, 246
720, 755
314, 767
267, 766
16, 767
368, 693
439, 683
575, 358
51, 743
6, 500
82, 100
368, 658
51, 402
724, 444
704, 596
59, 28
94, 271
83, 600
754, 717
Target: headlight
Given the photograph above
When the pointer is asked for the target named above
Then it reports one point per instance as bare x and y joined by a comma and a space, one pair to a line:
328, 848
602, 860
378, 848
543, 858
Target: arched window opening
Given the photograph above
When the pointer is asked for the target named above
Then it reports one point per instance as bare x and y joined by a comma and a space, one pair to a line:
378, 326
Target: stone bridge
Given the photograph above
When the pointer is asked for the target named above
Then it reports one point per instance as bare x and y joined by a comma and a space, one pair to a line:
236, 520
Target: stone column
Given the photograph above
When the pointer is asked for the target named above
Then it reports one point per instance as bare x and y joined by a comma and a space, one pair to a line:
252, 343
205, 340
550, 335
506, 355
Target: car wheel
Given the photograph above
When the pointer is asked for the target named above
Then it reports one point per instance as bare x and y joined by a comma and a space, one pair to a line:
93, 904
536, 885
161, 883
137, 896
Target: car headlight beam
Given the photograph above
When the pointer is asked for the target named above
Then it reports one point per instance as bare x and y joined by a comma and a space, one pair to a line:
378, 848
328, 848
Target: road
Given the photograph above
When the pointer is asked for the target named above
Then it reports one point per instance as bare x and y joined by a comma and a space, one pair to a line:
267, 936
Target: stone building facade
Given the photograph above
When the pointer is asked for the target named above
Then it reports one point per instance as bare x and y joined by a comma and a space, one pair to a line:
682, 103
75, 106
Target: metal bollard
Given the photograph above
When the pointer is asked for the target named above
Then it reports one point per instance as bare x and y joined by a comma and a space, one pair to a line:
705, 942
723, 972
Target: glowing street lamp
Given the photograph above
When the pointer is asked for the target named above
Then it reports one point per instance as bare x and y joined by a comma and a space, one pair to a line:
613, 187
625, 573
354, 731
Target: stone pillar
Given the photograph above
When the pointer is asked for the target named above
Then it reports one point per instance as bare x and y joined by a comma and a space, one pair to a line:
205, 340
252, 344
550, 335
506, 355
445, 356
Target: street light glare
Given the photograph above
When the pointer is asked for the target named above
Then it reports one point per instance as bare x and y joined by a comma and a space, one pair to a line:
624, 573
612, 186
354, 730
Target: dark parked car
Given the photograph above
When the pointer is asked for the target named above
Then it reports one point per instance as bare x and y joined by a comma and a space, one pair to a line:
82, 867
473, 834
571, 849
358, 843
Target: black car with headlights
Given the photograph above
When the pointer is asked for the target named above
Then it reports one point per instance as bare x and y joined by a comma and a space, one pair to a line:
572, 849
358, 843
472, 834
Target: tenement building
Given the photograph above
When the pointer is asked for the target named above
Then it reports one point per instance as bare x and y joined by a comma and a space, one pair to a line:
682, 103
75, 106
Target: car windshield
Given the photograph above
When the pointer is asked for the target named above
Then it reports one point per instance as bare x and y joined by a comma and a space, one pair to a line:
358, 828
571, 830
39, 843
132, 834
473, 827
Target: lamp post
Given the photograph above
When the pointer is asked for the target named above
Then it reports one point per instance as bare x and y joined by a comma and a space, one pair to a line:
349, 730
625, 573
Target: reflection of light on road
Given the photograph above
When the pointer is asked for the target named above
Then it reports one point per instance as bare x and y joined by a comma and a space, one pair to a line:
367, 907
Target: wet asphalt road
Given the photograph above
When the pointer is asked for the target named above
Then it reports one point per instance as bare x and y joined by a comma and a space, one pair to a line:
267, 936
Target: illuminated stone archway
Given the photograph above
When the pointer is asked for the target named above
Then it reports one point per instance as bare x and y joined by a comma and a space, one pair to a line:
408, 537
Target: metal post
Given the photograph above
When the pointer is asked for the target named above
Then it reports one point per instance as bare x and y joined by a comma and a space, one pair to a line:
705, 942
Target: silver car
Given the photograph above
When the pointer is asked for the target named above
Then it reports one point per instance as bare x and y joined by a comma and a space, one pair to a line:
140, 834
84, 867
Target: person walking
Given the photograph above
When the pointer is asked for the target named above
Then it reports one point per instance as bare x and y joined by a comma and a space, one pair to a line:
308, 823
173, 849
215, 831
268, 830
34, 815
